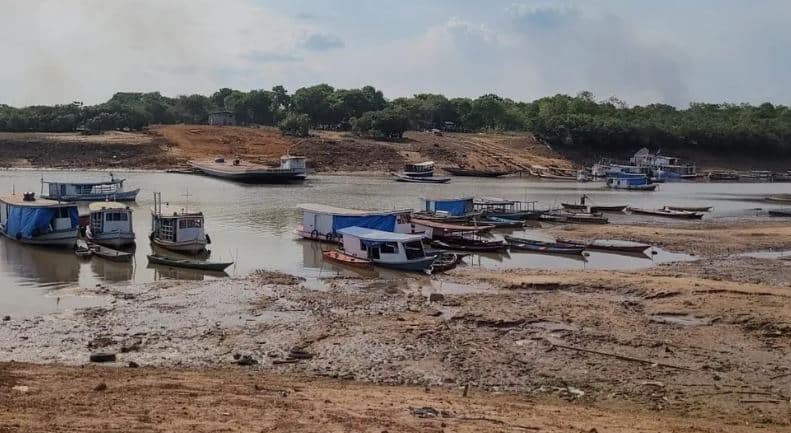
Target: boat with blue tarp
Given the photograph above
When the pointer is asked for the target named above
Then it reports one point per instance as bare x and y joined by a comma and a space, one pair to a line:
38, 221
455, 209
631, 182
323, 223
392, 250
98, 190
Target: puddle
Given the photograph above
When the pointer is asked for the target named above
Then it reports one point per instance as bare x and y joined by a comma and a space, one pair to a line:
681, 319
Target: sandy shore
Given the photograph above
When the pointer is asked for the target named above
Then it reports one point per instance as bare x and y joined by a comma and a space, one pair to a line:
697, 346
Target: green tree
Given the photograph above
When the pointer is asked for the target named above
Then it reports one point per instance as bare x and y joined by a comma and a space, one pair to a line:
295, 124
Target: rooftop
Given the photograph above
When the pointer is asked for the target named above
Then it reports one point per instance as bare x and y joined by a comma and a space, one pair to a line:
332, 210
378, 235
18, 200
100, 205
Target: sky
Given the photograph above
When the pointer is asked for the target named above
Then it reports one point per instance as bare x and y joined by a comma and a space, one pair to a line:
641, 51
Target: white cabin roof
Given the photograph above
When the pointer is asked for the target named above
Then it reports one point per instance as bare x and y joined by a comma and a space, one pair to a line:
18, 200
102, 205
332, 210
378, 235
175, 211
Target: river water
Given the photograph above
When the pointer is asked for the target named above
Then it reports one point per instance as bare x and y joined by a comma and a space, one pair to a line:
252, 225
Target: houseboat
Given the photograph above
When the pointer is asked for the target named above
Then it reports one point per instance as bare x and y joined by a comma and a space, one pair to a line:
321, 222
292, 169
110, 224
177, 229
38, 221
632, 182
112, 189
391, 250
663, 167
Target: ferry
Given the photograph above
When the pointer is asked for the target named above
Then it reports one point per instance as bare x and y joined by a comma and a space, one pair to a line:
177, 229
392, 250
112, 189
110, 224
292, 170
39, 221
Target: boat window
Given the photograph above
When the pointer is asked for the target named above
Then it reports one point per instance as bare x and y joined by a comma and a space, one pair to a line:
389, 248
363, 246
190, 223
414, 250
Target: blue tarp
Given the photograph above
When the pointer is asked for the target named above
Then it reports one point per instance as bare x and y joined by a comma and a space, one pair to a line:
24, 222
385, 223
453, 207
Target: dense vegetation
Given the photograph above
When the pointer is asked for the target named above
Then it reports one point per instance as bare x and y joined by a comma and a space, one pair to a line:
577, 123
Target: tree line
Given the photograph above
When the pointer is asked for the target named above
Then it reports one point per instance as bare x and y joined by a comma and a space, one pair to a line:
578, 123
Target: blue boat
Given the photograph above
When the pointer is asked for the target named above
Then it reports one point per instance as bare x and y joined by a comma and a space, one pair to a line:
112, 190
631, 182
391, 250
36, 221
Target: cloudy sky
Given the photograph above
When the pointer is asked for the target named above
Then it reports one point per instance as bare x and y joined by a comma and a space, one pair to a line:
671, 51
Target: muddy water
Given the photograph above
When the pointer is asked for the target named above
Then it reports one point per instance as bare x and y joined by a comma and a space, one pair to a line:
252, 225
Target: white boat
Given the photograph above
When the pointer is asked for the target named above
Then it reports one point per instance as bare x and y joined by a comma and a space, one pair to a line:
111, 224
177, 229
38, 221
631, 182
322, 222
292, 169
392, 250
99, 190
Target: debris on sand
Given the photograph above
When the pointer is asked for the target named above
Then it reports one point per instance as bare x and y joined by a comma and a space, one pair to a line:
263, 276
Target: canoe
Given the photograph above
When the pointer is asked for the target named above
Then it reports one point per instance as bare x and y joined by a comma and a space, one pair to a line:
445, 261
779, 198
463, 244
110, 254
577, 218
475, 173
574, 206
602, 245
516, 243
690, 208
614, 208
430, 216
404, 178
188, 263
780, 212
667, 213
501, 223
345, 259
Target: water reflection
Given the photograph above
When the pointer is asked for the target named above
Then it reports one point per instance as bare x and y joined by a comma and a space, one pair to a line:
38, 265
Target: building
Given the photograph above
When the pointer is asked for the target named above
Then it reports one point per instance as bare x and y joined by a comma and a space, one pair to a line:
221, 118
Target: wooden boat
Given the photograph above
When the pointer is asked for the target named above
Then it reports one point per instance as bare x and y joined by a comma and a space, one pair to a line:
112, 189
82, 250
292, 169
516, 243
724, 176
501, 223
345, 259
665, 213
780, 212
110, 224
612, 246
427, 179
392, 250
177, 229
440, 217
38, 221
468, 172
574, 218
445, 261
613, 208
507, 209
440, 228
690, 208
110, 254
630, 182
459, 243
189, 263
779, 198
574, 206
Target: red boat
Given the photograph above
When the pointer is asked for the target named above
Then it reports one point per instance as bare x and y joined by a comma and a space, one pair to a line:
343, 258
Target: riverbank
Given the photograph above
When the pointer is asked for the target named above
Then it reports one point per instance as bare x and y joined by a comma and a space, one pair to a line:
696, 346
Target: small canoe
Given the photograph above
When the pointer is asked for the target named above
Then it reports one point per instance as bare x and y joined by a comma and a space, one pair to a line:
345, 259
445, 261
614, 208
779, 198
665, 213
110, 254
503, 223
188, 263
690, 208
603, 245
780, 212
426, 179
516, 243
576, 218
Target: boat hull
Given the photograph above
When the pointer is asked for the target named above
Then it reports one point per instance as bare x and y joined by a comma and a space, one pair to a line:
189, 264
116, 196
668, 214
422, 264
189, 247
461, 172
424, 179
56, 239
256, 175
112, 240
345, 259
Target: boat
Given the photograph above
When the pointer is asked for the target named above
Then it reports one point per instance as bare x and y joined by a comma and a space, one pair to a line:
723, 176
574, 217
188, 263
345, 259
39, 221
292, 169
779, 198
468, 172
110, 254
392, 250
431, 228
460, 243
445, 261
607, 245
690, 208
82, 250
516, 243
630, 182
612, 208
420, 169
666, 213
404, 178
177, 229
780, 212
575, 206
451, 210
110, 224
507, 209
112, 189
582, 206
321, 222
501, 223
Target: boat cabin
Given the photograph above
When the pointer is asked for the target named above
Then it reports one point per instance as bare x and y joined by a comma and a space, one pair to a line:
177, 229
421, 169
111, 224
499, 205
323, 222
449, 206
87, 191
39, 221
293, 163
395, 250
627, 180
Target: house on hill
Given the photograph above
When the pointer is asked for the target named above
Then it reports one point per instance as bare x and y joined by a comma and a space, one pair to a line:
221, 118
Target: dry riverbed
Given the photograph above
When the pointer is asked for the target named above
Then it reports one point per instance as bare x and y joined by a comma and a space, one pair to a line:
695, 347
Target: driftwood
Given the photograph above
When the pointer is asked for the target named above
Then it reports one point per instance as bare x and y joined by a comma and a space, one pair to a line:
623, 357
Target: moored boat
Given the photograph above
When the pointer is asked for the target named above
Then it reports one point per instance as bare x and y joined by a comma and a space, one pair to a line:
690, 208
404, 178
346, 259
458, 171
38, 221
112, 189
420, 169
607, 245
445, 261
780, 212
110, 224
460, 243
502, 223
666, 213
110, 253
392, 250
322, 223
630, 182
292, 169
177, 229
517, 243
188, 263
779, 198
